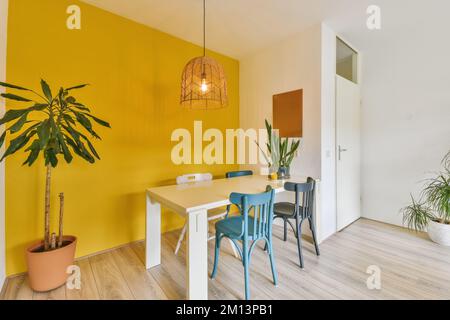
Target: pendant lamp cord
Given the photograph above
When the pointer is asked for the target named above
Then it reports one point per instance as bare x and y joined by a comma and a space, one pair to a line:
204, 27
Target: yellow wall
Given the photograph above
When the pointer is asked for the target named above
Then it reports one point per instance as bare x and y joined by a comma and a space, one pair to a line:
134, 72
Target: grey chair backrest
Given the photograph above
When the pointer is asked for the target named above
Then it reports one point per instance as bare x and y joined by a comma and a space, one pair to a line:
235, 174
304, 196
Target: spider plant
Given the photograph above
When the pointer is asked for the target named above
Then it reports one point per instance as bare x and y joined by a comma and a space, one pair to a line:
434, 203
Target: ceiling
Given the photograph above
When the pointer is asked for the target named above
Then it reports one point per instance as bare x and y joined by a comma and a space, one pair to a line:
240, 27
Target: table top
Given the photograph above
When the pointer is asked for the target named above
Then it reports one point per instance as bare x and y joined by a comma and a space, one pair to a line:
206, 195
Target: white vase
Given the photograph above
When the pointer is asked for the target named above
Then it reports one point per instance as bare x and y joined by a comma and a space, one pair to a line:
439, 233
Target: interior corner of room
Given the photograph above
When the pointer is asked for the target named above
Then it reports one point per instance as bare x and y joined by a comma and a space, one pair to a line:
3, 33
371, 125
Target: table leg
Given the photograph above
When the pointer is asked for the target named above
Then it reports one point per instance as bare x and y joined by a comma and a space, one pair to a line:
152, 234
197, 255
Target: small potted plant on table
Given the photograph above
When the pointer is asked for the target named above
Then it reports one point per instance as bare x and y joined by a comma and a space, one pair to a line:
280, 152
432, 211
49, 126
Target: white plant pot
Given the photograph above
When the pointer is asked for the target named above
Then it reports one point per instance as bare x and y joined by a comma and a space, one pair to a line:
439, 233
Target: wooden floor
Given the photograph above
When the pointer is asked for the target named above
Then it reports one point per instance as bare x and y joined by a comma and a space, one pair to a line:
412, 267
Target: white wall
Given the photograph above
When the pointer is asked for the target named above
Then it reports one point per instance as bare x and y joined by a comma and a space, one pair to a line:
285, 66
406, 108
297, 63
3, 26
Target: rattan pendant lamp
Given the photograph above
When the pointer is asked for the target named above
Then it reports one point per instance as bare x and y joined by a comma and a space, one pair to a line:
203, 83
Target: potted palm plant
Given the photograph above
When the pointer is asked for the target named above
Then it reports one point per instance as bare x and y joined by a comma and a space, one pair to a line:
432, 210
280, 152
49, 126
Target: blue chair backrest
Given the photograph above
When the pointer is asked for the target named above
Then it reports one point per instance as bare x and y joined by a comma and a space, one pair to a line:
234, 174
262, 207
307, 200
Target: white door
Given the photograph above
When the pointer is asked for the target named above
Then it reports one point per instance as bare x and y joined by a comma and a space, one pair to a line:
348, 152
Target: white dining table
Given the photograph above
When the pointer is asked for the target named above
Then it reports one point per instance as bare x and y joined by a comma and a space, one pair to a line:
192, 201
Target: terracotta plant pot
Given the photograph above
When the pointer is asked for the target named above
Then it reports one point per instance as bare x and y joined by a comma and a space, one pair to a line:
47, 270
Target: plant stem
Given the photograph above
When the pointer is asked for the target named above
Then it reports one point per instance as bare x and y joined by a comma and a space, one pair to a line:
47, 208
53, 241
61, 217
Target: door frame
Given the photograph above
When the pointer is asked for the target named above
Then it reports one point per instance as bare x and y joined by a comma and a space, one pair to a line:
359, 78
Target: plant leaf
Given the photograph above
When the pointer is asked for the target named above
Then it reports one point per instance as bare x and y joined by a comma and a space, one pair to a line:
17, 113
46, 90
34, 152
417, 215
293, 149
68, 118
73, 145
7, 85
80, 150
11, 96
2, 138
71, 100
83, 120
67, 155
19, 124
264, 154
17, 144
269, 134
91, 147
99, 121
76, 135
43, 132
39, 106
268, 126
79, 106
86, 123
12, 115
50, 157
61, 101
77, 87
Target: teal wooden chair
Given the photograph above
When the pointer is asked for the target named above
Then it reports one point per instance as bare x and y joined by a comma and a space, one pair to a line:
248, 229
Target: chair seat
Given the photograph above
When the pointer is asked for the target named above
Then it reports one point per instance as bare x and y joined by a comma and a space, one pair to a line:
285, 209
232, 227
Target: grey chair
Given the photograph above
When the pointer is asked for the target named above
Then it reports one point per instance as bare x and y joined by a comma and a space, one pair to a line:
301, 210
235, 174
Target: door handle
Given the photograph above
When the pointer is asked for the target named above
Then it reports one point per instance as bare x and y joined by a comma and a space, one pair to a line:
339, 152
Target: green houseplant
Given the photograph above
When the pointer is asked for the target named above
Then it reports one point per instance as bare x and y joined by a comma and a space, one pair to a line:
49, 125
280, 152
432, 210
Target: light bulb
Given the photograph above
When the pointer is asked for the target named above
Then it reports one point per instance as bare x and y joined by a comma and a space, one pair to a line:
204, 86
